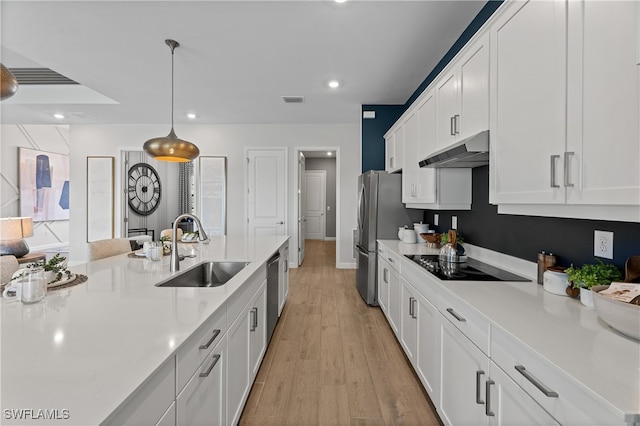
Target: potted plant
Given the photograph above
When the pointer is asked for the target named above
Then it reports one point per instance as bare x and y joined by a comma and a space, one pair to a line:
590, 275
55, 269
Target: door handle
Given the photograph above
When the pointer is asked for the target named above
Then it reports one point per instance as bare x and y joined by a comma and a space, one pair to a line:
487, 408
452, 125
411, 307
553, 171
280, 223
542, 388
456, 124
479, 374
567, 175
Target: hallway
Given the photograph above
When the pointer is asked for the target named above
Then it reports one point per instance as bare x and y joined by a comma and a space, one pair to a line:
333, 359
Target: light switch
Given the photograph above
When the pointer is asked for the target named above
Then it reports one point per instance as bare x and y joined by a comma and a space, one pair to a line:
454, 222
436, 219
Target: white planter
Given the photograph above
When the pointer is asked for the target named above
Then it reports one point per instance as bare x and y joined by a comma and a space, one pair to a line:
49, 276
586, 297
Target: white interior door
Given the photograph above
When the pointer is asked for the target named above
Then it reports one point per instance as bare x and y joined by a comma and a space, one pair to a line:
301, 218
266, 192
315, 204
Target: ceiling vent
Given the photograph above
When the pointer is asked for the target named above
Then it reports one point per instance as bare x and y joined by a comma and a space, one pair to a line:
40, 76
293, 99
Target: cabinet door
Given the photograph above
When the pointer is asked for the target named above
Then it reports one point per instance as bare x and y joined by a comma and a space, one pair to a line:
257, 331
527, 103
464, 368
410, 161
447, 110
425, 146
202, 401
383, 284
508, 404
604, 140
428, 347
409, 321
283, 279
389, 152
394, 307
474, 89
237, 367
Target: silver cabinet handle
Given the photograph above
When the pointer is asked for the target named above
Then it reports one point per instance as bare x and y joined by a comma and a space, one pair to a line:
487, 408
456, 315
456, 124
547, 392
216, 332
567, 175
553, 171
390, 259
411, 299
216, 358
280, 223
479, 374
415, 314
391, 162
452, 126
286, 266
254, 319
385, 276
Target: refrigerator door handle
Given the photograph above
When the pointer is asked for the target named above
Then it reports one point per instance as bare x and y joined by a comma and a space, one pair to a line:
361, 203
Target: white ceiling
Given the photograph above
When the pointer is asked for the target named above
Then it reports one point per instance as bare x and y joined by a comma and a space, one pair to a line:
236, 59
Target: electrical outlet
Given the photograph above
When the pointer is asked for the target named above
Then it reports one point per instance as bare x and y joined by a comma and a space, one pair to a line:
436, 218
454, 222
603, 244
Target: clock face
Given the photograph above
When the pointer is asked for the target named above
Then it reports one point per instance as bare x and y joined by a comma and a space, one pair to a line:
143, 188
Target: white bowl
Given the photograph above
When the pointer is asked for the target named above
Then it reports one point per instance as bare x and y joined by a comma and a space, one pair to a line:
621, 316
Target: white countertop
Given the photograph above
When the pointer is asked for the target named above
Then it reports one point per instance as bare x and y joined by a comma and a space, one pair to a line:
85, 349
559, 329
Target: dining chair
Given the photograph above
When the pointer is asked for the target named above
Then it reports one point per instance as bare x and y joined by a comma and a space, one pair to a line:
8, 266
107, 248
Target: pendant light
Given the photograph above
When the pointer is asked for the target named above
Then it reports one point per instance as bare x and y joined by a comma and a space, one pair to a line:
170, 147
8, 83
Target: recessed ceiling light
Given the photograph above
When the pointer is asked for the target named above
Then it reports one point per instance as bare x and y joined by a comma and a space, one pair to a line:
329, 153
58, 116
340, 1
191, 116
334, 84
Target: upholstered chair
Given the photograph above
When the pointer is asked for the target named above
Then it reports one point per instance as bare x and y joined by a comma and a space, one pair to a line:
8, 265
107, 248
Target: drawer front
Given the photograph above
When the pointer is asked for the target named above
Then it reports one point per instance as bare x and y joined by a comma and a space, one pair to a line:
565, 399
421, 280
474, 325
239, 300
199, 346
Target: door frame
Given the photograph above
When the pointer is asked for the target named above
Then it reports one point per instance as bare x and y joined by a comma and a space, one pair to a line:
294, 229
324, 208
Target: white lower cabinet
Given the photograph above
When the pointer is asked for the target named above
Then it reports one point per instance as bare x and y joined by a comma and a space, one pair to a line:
507, 404
464, 368
409, 321
203, 399
395, 308
169, 417
257, 331
383, 282
428, 359
283, 278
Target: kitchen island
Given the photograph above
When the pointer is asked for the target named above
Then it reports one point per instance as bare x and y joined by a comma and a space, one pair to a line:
84, 353
509, 352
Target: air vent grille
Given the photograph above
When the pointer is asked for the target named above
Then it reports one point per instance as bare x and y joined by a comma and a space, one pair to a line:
40, 76
293, 99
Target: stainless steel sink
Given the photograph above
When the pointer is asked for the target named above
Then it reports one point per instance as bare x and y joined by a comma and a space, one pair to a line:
206, 274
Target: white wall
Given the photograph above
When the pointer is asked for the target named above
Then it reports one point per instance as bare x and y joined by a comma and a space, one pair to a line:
48, 138
229, 141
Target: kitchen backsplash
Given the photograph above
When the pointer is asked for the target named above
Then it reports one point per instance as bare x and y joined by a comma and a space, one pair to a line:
571, 240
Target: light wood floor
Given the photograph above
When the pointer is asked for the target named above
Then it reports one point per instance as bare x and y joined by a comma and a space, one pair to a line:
333, 359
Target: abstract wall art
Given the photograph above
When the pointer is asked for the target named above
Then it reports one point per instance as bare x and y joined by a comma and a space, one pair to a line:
44, 185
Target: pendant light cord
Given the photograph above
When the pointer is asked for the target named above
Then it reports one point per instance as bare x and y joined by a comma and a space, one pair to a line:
172, 71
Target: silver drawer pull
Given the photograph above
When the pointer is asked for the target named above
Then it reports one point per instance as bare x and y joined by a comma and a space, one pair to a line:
535, 382
479, 374
456, 315
216, 332
216, 358
487, 408
553, 171
390, 259
567, 174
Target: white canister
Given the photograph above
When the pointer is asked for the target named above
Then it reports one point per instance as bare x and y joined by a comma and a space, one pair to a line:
408, 236
420, 228
554, 281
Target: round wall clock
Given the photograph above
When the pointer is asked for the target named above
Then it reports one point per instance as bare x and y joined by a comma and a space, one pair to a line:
143, 187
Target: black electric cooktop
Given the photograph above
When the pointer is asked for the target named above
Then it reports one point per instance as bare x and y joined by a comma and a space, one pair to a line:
471, 270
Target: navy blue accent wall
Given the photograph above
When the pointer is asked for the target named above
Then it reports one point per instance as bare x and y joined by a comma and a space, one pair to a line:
571, 240
373, 131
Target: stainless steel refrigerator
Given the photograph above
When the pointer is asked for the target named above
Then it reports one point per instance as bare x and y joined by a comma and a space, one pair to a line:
380, 213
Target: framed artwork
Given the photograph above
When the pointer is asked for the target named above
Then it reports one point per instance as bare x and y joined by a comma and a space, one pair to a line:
44, 185
213, 194
100, 198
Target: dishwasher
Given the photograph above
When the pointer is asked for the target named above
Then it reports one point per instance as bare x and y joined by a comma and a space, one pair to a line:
273, 277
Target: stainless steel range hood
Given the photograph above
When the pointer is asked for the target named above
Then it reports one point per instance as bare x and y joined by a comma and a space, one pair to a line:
470, 152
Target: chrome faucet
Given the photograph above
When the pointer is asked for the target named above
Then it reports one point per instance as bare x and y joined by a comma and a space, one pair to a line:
202, 236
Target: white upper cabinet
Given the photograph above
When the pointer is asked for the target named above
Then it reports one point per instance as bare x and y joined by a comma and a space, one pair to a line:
463, 95
565, 105
394, 149
603, 140
527, 133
